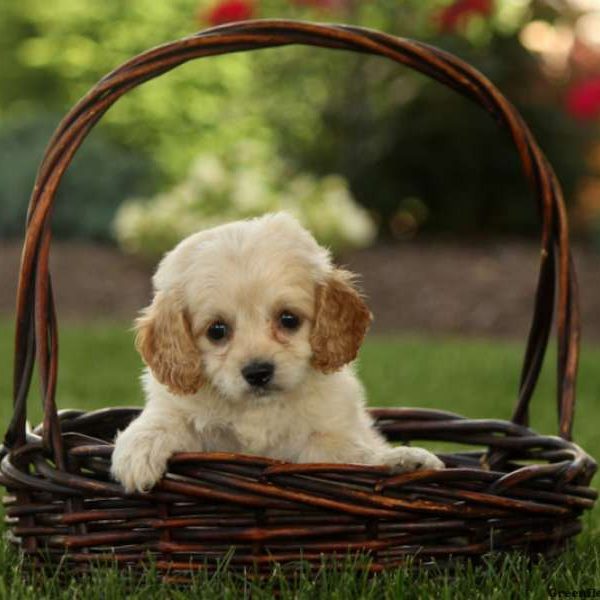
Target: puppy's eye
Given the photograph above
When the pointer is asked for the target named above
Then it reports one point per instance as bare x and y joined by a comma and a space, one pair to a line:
217, 331
289, 320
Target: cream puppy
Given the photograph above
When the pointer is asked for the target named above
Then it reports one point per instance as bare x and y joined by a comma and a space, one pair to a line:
248, 342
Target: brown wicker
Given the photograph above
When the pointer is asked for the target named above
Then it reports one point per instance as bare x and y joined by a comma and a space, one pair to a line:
514, 489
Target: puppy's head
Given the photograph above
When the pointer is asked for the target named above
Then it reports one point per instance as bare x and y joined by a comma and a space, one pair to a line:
250, 309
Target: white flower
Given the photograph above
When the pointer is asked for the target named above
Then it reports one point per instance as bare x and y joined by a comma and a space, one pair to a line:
208, 171
249, 180
250, 193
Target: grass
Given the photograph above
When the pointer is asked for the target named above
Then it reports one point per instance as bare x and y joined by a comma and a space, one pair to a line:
98, 367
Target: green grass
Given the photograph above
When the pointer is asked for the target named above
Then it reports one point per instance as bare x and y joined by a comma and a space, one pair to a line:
98, 367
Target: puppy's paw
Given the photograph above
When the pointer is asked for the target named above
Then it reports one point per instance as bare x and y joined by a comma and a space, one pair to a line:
405, 459
138, 461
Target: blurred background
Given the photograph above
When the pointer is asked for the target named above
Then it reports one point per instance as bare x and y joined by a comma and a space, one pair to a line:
407, 182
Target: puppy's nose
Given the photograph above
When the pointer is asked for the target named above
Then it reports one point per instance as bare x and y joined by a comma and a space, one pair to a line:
258, 374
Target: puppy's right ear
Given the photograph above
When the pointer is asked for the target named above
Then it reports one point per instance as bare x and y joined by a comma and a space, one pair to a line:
165, 341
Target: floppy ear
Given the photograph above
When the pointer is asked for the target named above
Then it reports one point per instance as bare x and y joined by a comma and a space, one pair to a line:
341, 322
165, 341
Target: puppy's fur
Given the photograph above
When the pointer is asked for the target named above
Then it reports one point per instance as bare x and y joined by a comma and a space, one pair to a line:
244, 276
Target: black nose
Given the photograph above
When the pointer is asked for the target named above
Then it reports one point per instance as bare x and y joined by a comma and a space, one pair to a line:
258, 374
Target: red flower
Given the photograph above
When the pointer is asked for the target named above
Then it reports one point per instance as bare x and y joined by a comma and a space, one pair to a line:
451, 17
583, 99
229, 10
321, 3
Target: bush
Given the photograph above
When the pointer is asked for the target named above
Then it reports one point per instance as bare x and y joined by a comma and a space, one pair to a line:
102, 174
449, 168
421, 157
247, 181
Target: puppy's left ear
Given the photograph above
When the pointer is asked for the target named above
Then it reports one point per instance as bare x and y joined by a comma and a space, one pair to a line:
341, 323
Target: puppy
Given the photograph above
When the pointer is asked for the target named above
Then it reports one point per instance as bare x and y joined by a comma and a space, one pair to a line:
248, 344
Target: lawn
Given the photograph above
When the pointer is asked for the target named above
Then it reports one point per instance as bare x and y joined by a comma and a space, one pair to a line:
98, 367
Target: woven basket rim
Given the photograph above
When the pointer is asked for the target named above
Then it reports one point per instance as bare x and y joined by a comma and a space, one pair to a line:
271, 511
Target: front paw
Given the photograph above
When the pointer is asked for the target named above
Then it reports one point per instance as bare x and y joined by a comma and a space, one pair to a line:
138, 461
404, 459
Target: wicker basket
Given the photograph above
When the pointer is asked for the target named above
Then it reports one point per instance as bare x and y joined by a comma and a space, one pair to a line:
514, 489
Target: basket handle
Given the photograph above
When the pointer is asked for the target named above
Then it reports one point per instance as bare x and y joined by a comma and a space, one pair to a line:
36, 327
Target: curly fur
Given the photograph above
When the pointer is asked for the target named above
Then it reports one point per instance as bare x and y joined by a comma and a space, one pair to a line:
165, 342
341, 323
245, 274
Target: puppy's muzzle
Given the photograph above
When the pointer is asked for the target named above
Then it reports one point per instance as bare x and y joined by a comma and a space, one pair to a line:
258, 373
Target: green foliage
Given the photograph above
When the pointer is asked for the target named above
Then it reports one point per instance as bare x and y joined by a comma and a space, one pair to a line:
101, 175
55, 52
416, 156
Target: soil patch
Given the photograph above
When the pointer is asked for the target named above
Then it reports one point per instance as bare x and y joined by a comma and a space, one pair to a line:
435, 286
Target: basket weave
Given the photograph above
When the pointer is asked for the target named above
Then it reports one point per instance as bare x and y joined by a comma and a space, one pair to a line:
514, 489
